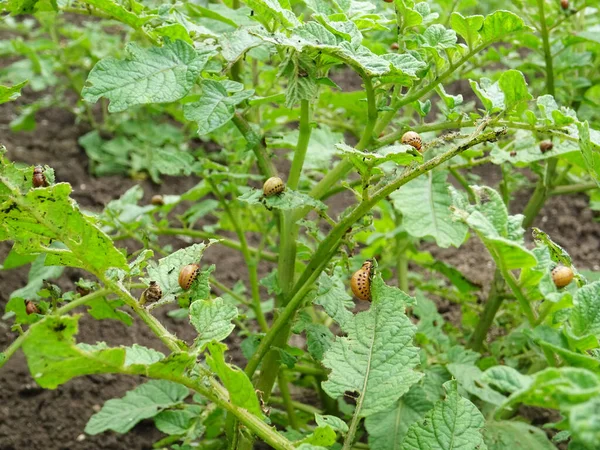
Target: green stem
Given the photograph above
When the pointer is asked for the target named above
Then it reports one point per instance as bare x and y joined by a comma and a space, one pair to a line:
353, 425
574, 188
329, 245
235, 295
251, 263
401, 257
287, 400
540, 194
463, 182
516, 289
265, 165
547, 50
492, 305
302, 145
225, 242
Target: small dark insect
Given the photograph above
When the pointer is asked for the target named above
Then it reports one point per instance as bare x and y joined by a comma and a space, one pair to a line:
413, 139
154, 292
360, 283
513, 153
187, 275
564, 4
546, 146
157, 200
31, 308
39, 179
273, 186
82, 291
562, 276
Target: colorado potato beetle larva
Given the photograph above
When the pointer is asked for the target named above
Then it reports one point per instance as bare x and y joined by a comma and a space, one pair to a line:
187, 275
157, 200
564, 4
273, 186
31, 308
562, 276
39, 179
413, 139
360, 283
546, 146
154, 292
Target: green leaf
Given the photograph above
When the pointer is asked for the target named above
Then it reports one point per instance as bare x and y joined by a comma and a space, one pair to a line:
321, 436
212, 319
388, 429
469, 377
287, 200
53, 358
513, 85
500, 233
34, 218
399, 154
153, 75
130, 15
425, 206
318, 340
240, 388
515, 436
454, 424
506, 378
439, 37
332, 421
30, 6
584, 422
499, 25
10, 93
376, 358
175, 422
590, 151
467, 27
102, 308
35, 280
489, 93
215, 107
143, 402
585, 317
138, 354
269, 10
333, 297
166, 272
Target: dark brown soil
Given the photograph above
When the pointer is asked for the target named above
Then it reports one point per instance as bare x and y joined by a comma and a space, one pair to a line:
32, 418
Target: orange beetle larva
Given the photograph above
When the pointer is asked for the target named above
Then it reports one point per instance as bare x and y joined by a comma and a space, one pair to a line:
562, 276
187, 275
273, 186
360, 283
413, 139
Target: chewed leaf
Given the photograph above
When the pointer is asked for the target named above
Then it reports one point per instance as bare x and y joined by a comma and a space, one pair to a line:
286, 200
152, 75
399, 154
212, 319
376, 358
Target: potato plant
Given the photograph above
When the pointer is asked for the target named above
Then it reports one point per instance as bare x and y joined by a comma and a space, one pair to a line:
268, 84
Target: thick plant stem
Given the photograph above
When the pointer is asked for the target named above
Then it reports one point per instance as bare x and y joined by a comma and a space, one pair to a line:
492, 305
547, 49
329, 245
540, 194
265, 165
302, 145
